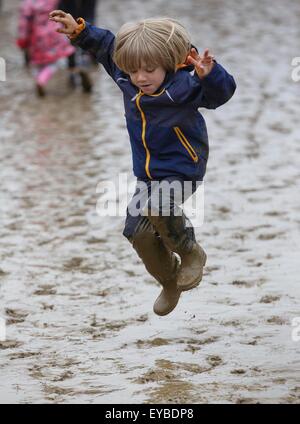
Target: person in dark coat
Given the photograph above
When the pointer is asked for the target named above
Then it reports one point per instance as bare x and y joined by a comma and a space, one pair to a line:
80, 61
85, 9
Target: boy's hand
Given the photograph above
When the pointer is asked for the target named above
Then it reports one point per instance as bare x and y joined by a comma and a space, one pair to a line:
69, 24
203, 64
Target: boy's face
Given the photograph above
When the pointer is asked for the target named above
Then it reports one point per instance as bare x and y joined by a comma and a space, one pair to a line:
148, 79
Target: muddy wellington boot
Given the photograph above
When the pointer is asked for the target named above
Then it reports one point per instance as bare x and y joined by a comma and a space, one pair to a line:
162, 264
172, 230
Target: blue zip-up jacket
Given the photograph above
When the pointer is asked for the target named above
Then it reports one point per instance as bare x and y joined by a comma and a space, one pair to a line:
167, 132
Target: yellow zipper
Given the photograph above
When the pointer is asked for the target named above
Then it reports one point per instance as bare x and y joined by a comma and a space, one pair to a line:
138, 99
158, 94
186, 144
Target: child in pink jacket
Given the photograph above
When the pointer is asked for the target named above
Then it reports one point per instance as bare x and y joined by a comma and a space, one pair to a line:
38, 36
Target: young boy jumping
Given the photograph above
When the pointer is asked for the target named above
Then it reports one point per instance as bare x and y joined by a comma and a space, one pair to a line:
164, 81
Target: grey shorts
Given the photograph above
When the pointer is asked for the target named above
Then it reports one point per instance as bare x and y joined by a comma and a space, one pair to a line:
160, 197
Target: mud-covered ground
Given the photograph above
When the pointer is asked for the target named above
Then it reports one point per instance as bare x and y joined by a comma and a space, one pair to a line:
76, 298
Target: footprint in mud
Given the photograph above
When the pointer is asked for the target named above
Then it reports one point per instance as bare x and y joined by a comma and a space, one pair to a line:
195, 345
238, 371
214, 360
246, 401
132, 273
296, 390
14, 226
100, 330
261, 281
270, 236
209, 269
23, 355
101, 293
239, 236
242, 283
152, 343
75, 223
232, 162
277, 320
252, 262
172, 388
2, 273
257, 227
55, 390
73, 263
224, 210
242, 250
292, 398
95, 240
250, 343
15, 316
65, 376
227, 301
269, 299
270, 256
46, 307
279, 380
256, 370
174, 391
264, 200
10, 344
41, 372
45, 290
248, 190
27, 203
208, 340
54, 393
232, 323
167, 370
142, 318
279, 128
274, 213
153, 376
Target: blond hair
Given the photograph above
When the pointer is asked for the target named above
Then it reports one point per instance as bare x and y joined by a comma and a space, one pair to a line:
155, 42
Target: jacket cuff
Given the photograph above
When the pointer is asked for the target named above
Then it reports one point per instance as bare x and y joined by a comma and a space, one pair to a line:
211, 76
81, 27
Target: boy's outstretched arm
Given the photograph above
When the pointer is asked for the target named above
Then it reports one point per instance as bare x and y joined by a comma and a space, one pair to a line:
203, 64
97, 41
217, 85
69, 25
211, 85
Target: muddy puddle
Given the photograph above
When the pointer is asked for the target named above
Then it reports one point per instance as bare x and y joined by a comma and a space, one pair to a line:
75, 297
